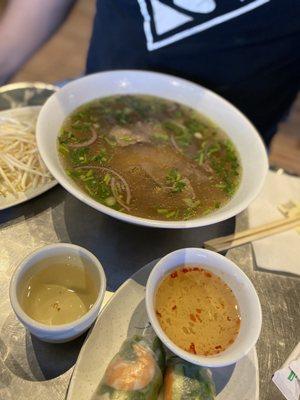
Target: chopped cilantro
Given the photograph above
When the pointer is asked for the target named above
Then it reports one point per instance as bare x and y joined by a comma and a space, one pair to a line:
161, 136
175, 180
192, 203
79, 155
63, 149
174, 214
101, 157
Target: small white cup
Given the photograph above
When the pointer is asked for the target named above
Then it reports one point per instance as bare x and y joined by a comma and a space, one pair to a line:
65, 332
236, 279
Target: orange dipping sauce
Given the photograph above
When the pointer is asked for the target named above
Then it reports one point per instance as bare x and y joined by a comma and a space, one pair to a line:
197, 310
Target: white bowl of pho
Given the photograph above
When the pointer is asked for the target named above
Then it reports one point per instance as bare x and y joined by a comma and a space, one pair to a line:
151, 149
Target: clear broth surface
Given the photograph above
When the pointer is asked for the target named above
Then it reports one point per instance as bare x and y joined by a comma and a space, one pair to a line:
197, 310
149, 157
58, 293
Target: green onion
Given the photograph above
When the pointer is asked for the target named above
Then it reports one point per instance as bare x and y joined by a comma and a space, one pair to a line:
110, 142
63, 149
220, 185
213, 149
168, 213
110, 201
192, 203
106, 179
162, 211
161, 136
79, 156
101, 157
127, 138
207, 210
175, 180
189, 213
200, 157
182, 135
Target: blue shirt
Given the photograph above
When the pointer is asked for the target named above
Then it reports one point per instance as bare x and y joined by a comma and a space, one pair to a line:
248, 51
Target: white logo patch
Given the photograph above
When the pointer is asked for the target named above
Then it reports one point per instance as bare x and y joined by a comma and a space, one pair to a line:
166, 22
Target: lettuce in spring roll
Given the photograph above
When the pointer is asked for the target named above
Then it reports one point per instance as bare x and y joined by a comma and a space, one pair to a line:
186, 381
135, 373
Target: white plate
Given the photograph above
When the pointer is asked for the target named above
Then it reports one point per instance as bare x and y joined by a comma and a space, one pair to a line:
9, 201
124, 316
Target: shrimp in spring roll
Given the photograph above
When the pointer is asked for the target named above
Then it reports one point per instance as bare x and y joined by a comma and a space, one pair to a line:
186, 381
135, 372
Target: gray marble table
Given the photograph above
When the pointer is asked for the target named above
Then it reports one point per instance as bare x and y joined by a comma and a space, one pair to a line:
30, 369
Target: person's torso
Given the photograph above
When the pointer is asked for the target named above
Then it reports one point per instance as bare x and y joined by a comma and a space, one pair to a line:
246, 50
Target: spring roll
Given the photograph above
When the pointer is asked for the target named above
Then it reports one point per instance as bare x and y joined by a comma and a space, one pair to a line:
135, 373
185, 381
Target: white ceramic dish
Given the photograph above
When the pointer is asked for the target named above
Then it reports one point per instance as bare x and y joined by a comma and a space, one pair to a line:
124, 316
65, 332
236, 125
236, 279
10, 201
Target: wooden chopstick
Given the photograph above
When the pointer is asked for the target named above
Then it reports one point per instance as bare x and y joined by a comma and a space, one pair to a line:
249, 235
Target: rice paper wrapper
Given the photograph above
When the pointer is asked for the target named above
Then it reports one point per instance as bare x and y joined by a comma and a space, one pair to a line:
185, 381
135, 373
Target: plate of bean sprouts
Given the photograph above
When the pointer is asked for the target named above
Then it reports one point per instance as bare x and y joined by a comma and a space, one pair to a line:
23, 174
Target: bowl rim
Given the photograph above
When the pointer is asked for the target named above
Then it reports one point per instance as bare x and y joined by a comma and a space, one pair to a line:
197, 359
32, 323
155, 223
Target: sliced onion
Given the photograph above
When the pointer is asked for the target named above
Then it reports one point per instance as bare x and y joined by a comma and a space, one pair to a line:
116, 194
152, 177
124, 183
173, 141
88, 142
164, 187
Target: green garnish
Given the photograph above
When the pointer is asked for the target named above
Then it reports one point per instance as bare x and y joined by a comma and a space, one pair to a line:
110, 201
73, 173
110, 142
162, 211
175, 180
168, 213
227, 168
192, 203
161, 136
88, 176
67, 137
206, 151
82, 126
127, 138
101, 157
63, 149
191, 210
189, 213
200, 157
207, 211
182, 135
194, 125
220, 185
79, 156
106, 179
98, 188
122, 117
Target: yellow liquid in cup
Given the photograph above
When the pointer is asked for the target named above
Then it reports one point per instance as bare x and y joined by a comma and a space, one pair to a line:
58, 293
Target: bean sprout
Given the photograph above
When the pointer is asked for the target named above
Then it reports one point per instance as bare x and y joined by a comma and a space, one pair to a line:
21, 167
